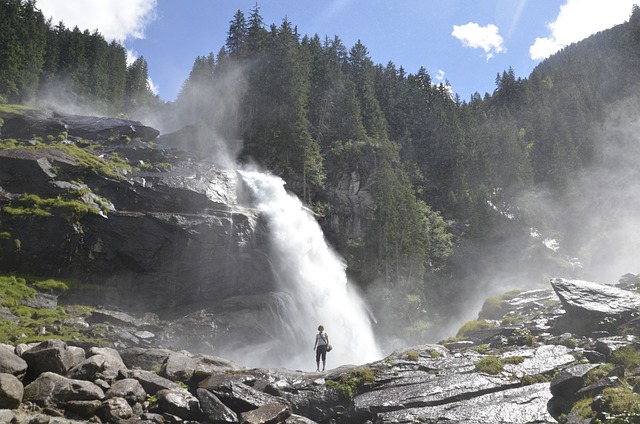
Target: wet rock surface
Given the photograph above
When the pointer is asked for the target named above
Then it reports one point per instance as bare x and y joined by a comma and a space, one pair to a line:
541, 375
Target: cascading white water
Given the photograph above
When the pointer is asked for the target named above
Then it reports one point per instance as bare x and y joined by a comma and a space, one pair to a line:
314, 280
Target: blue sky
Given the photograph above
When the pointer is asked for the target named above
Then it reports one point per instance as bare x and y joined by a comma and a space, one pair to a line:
463, 42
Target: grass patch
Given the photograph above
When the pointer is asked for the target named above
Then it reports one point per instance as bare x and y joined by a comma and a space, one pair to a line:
627, 356
34, 205
15, 289
620, 400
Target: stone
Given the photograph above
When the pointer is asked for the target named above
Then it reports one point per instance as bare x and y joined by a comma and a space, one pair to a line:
178, 367
11, 391
180, 403
129, 389
11, 363
54, 356
214, 409
115, 409
53, 390
269, 413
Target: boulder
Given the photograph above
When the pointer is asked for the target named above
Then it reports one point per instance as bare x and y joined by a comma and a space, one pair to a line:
568, 381
145, 359
115, 410
214, 409
54, 356
11, 391
588, 304
151, 382
100, 366
179, 403
129, 389
11, 363
178, 367
53, 390
235, 394
269, 413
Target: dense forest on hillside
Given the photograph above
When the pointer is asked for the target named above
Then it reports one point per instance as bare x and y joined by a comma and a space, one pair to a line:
456, 183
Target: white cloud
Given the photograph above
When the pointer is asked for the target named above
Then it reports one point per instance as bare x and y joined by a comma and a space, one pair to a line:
484, 37
114, 19
152, 86
577, 20
439, 76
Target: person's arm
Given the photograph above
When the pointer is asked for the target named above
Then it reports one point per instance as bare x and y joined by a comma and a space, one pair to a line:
315, 344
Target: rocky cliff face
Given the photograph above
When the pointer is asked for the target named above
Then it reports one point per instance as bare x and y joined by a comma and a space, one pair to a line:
140, 227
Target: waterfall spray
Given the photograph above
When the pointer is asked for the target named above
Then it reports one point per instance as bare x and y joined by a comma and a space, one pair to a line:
314, 279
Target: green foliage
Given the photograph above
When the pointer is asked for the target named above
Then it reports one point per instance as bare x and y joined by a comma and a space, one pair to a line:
13, 290
349, 383
4, 235
475, 325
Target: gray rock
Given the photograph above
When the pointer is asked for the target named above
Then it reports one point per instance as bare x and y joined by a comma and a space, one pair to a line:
270, 413
11, 363
180, 403
107, 367
519, 405
11, 391
54, 356
84, 408
214, 409
53, 390
145, 359
115, 410
153, 383
129, 389
7, 416
568, 381
178, 367
41, 301
235, 394
587, 304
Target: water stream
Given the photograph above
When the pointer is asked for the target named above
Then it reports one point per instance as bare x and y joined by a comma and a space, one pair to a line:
312, 277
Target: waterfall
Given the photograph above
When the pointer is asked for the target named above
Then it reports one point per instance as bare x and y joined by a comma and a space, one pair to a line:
313, 279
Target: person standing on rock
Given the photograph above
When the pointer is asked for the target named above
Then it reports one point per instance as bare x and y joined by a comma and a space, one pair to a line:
320, 346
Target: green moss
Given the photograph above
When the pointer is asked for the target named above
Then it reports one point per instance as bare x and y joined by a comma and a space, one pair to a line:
471, 326
4, 235
51, 285
349, 383
490, 365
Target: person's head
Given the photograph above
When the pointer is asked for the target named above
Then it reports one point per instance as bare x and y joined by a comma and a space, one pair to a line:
320, 328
